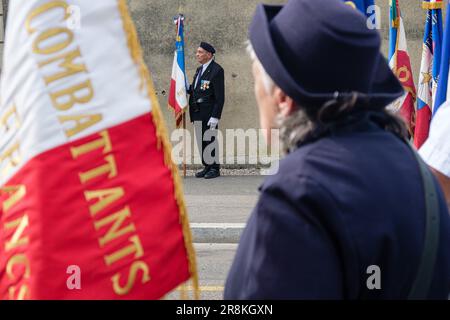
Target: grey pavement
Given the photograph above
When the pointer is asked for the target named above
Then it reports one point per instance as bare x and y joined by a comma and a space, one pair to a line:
213, 264
225, 185
219, 208
222, 200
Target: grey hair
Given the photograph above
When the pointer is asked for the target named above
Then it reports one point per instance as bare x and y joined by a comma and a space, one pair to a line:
293, 128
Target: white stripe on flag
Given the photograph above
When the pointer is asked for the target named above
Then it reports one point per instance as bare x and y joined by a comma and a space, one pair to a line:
105, 55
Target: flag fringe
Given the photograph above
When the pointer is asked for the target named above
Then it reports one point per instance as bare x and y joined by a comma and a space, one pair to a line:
179, 119
163, 141
177, 115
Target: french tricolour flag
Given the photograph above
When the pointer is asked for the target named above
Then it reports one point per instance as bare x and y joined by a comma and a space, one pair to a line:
429, 70
178, 94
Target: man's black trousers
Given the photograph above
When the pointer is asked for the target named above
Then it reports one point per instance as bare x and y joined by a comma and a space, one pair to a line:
208, 144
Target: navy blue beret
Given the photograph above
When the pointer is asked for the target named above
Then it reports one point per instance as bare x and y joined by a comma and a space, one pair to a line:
207, 47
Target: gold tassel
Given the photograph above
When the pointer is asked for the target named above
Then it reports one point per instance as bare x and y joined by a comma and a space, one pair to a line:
396, 23
432, 5
163, 140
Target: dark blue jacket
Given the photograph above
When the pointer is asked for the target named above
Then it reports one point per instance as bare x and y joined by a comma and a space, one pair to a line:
337, 206
211, 90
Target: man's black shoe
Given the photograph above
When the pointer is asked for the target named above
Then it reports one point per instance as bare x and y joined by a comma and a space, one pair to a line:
202, 173
213, 173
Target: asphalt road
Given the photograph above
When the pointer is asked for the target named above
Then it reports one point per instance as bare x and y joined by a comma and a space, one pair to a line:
213, 263
222, 200
225, 200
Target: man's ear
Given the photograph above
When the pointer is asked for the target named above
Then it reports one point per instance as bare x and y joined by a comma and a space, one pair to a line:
285, 103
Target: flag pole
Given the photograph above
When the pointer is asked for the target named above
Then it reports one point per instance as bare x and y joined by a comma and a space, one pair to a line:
183, 115
180, 9
179, 20
184, 144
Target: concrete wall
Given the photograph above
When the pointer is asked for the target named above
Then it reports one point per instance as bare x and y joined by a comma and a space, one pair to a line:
224, 23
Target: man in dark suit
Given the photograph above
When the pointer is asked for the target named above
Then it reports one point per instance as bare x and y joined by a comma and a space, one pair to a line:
207, 97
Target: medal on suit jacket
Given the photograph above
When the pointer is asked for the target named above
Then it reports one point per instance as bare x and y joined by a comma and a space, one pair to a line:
204, 85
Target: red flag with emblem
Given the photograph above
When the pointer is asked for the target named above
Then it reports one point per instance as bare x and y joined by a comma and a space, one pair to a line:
400, 64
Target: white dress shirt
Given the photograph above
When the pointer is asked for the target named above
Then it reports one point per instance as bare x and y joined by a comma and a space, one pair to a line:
204, 67
436, 150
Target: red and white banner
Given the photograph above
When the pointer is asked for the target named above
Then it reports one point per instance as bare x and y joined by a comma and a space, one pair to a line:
400, 64
86, 181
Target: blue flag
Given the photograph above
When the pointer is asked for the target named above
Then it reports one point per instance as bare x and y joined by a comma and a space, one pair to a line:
442, 89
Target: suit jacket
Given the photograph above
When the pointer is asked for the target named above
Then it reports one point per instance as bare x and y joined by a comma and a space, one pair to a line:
210, 90
337, 206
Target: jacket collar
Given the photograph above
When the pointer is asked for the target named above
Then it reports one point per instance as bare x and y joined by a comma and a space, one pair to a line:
208, 64
208, 67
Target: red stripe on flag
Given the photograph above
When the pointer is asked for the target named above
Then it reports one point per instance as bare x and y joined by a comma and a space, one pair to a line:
172, 97
404, 73
407, 112
423, 120
74, 205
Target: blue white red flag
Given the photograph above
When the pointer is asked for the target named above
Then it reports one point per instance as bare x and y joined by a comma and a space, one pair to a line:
87, 184
178, 93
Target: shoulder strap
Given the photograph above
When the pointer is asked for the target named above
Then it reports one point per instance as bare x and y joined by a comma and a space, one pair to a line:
421, 285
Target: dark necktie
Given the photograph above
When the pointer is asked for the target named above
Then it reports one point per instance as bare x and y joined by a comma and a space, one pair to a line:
200, 72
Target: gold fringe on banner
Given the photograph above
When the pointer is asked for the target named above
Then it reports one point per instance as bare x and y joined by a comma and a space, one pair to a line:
163, 140
432, 5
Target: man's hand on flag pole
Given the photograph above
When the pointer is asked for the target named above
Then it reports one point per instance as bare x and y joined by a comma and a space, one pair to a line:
213, 122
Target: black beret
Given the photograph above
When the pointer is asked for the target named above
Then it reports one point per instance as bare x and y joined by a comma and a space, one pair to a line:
207, 47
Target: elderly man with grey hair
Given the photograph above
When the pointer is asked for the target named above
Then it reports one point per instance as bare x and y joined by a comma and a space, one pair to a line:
352, 213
